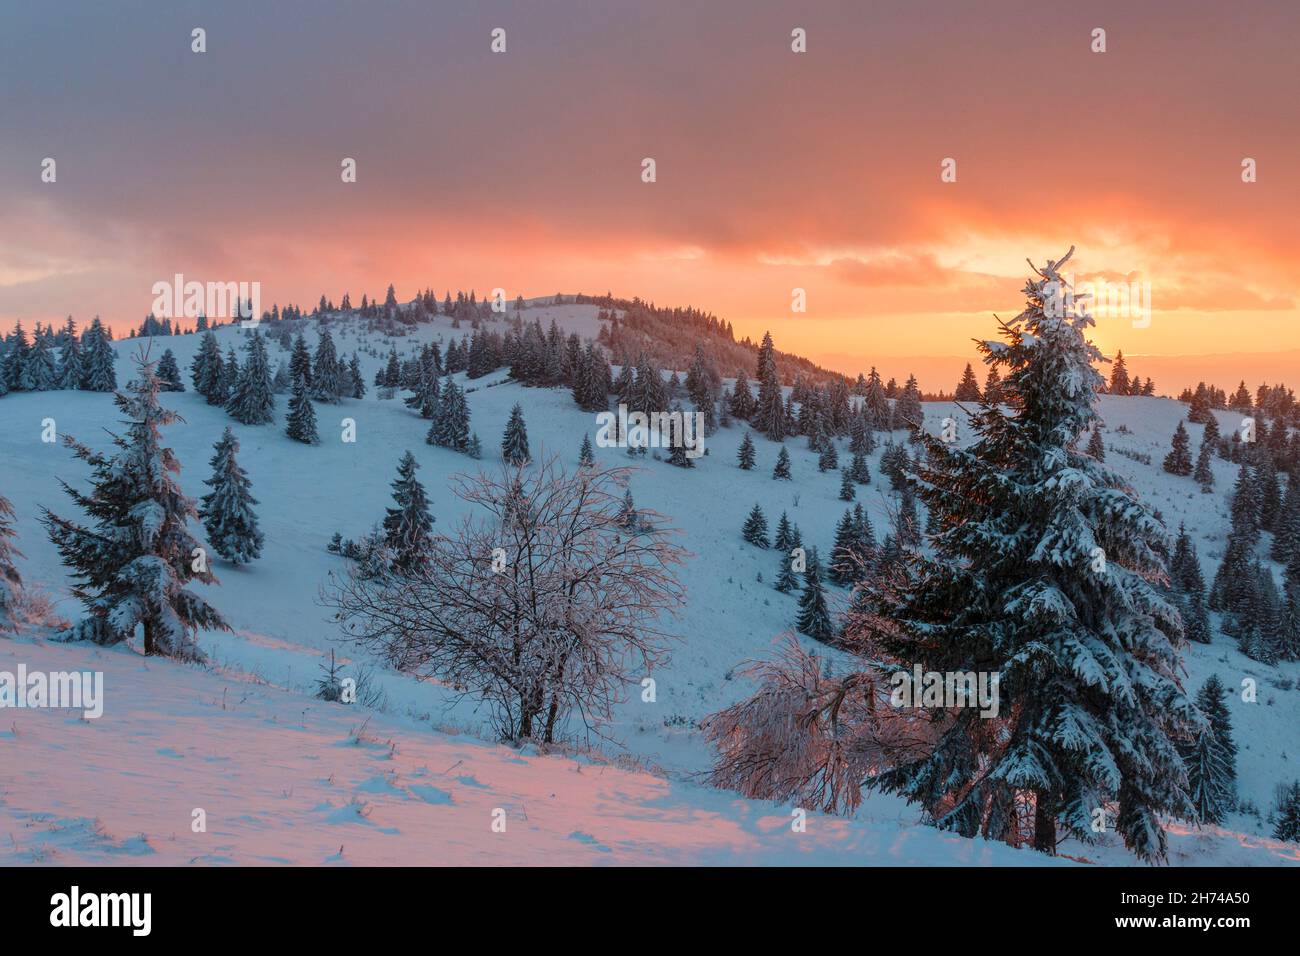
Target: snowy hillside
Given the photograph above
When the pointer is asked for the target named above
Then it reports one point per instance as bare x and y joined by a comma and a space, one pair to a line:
284, 777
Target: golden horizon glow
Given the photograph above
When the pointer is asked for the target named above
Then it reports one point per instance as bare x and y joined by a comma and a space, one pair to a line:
775, 171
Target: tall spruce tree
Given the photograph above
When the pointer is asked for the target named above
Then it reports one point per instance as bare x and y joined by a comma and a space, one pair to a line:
72, 364
450, 428
745, 456
301, 422
1286, 532
1203, 474
408, 527
829, 458
227, 510
135, 559
1096, 446
99, 359
844, 553
206, 371
755, 528
300, 361
514, 443
848, 490
782, 468
328, 379
169, 373
1119, 383
1288, 815
968, 389
14, 368
358, 381
1091, 702
42, 368
252, 400
742, 399
1179, 459
814, 618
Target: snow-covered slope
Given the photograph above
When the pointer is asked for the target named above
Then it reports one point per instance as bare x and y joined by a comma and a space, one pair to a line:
284, 778
282, 631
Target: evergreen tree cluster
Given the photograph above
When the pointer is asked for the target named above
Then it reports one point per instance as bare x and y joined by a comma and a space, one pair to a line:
56, 360
1264, 619
1121, 383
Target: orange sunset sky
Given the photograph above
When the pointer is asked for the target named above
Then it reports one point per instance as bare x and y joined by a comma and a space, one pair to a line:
775, 170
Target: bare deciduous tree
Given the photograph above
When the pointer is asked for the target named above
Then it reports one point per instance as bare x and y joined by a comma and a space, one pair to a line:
539, 602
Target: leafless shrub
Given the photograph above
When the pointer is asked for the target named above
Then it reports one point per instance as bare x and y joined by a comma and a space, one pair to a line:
539, 603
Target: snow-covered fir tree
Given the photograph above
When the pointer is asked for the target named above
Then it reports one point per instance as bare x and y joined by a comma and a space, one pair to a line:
450, 428
42, 368
875, 404
787, 579
769, 413
169, 373
1096, 446
908, 412
859, 471
13, 365
1210, 757
829, 459
514, 443
968, 389
782, 468
1179, 459
745, 456
136, 557
1091, 702
1286, 531
300, 362
848, 490
301, 422
329, 381
229, 375
252, 400
1287, 826
357, 380
586, 457
844, 568
677, 454
1203, 473
814, 618
72, 364
206, 371
1119, 383
742, 399
755, 528
227, 510
99, 359
408, 527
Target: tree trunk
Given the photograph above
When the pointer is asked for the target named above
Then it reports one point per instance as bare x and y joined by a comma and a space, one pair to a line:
1044, 824
549, 736
149, 644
